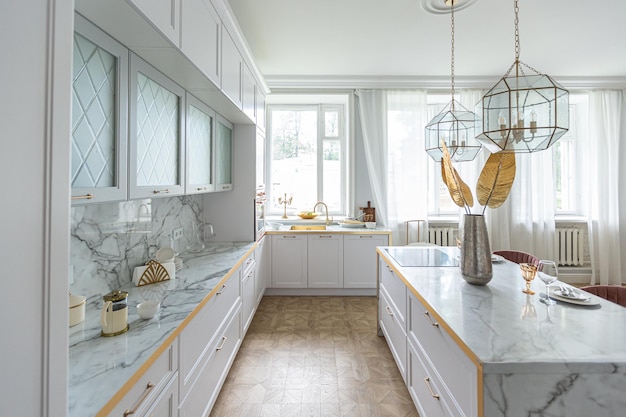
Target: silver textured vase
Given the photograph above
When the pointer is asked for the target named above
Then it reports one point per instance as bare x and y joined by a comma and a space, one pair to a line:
475, 253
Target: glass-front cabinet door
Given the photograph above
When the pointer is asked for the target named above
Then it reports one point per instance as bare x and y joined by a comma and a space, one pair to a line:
99, 106
223, 155
156, 127
199, 133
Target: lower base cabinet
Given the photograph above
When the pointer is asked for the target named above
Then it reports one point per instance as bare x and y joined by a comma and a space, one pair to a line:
206, 388
166, 405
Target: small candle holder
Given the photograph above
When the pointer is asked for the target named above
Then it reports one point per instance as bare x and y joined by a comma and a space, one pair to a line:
528, 273
285, 202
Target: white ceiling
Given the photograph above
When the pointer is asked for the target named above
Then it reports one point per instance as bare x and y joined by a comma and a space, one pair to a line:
398, 39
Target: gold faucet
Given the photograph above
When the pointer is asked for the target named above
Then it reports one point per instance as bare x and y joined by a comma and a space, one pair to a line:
326, 207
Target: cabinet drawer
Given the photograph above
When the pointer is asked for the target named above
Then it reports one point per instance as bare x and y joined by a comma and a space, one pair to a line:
453, 366
426, 388
196, 338
248, 263
396, 290
166, 405
205, 390
393, 331
150, 384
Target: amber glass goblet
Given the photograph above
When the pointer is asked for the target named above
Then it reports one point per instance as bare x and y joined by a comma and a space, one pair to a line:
528, 273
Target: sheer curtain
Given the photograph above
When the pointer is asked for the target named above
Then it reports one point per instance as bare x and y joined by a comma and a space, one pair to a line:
605, 178
393, 132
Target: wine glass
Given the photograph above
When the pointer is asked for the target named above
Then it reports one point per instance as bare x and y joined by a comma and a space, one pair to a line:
548, 273
528, 273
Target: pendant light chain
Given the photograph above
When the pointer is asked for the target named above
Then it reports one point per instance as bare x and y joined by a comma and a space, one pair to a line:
452, 51
517, 48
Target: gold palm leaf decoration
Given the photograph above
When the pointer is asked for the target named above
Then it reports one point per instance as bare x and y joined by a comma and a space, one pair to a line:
155, 272
496, 180
459, 191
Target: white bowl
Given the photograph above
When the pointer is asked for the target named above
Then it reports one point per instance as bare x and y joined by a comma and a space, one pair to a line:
370, 225
77, 309
148, 309
165, 255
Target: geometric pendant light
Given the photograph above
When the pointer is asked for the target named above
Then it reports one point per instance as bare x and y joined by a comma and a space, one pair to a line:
455, 125
522, 113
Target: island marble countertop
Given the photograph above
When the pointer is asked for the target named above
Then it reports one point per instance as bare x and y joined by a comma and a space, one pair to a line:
573, 354
99, 366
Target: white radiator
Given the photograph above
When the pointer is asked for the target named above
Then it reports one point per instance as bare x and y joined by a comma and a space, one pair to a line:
442, 236
570, 246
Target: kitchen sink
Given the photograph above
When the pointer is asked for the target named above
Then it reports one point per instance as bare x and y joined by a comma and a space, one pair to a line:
308, 227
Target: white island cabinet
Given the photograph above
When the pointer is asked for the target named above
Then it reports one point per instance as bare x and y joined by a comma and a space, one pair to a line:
492, 351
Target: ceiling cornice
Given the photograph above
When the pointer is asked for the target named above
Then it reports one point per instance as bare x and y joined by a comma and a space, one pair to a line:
429, 82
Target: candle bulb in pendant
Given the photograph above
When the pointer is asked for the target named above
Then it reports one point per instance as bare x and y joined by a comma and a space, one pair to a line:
533, 122
502, 123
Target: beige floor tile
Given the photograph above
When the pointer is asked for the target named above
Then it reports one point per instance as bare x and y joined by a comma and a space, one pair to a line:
314, 357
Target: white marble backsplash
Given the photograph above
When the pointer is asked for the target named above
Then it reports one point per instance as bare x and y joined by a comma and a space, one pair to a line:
107, 241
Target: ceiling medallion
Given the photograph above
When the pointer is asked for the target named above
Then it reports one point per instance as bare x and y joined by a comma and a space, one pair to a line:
443, 6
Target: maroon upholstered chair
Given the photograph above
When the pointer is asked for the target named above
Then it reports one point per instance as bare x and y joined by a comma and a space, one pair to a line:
518, 257
613, 293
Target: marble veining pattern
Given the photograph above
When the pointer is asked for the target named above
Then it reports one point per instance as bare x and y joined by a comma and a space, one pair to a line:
563, 360
104, 364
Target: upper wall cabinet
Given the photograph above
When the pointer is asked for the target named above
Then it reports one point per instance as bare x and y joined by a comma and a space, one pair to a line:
223, 155
164, 14
248, 92
200, 40
156, 130
99, 105
200, 133
231, 69
260, 109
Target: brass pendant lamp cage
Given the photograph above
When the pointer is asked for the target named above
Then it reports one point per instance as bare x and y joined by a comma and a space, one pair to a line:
455, 125
522, 113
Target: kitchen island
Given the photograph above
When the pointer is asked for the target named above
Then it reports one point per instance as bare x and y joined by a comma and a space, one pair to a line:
493, 351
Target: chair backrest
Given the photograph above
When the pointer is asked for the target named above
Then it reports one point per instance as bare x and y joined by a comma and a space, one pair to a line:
518, 257
613, 293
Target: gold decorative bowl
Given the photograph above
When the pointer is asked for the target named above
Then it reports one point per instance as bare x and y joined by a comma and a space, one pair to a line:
308, 214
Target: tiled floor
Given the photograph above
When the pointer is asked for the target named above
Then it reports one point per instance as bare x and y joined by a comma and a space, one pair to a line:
314, 357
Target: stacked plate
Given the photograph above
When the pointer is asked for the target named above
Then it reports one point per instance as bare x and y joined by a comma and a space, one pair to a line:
572, 295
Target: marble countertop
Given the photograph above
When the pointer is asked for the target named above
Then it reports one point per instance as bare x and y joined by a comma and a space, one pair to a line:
99, 366
504, 327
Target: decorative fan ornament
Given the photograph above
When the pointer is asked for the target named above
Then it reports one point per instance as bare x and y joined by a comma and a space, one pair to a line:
154, 273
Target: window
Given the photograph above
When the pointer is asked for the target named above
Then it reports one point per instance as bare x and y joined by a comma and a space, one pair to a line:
307, 156
566, 153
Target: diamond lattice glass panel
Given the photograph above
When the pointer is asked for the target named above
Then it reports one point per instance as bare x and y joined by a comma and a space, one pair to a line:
199, 142
224, 150
93, 116
157, 134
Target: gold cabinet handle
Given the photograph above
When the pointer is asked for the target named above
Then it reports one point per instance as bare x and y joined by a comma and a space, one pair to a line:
201, 189
289, 236
389, 311
432, 323
88, 196
221, 346
365, 236
166, 191
221, 290
430, 388
325, 237
149, 388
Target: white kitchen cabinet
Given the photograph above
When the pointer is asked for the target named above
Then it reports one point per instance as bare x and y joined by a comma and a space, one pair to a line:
223, 155
156, 150
289, 261
261, 254
248, 92
325, 261
99, 116
152, 387
260, 109
201, 37
200, 133
359, 259
166, 404
164, 15
231, 69
248, 294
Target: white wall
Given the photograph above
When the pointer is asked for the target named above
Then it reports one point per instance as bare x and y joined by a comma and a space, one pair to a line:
34, 164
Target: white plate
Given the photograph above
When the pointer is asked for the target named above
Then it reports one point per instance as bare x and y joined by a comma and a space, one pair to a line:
352, 225
497, 258
591, 301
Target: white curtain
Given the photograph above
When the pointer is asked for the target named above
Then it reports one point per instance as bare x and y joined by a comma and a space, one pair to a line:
606, 154
393, 132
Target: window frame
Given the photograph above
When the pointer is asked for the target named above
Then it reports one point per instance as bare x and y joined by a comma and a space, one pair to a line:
321, 104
